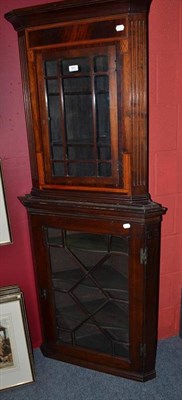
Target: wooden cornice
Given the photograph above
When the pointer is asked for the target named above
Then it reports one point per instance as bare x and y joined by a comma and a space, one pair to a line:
66, 10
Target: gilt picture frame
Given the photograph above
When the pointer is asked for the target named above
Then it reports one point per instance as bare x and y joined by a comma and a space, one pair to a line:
16, 358
5, 230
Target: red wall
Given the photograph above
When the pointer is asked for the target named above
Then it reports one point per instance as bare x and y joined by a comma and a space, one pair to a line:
165, 158
165, 130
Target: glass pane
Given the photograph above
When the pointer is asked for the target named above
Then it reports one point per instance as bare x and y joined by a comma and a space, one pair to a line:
114, 315
119, 244
105, 170
52, 86
58, 169
112, 274
77, 85
73, 65
78, 116
81, 169
61, 260
90, 336
103, 117
54, 236
121, 349
102, 83
65, 280
57, 152
54, 118
104, 153
93, 259
87, 241
51, 68
80, 152
69, 314
101, 63
64, 335
90, 296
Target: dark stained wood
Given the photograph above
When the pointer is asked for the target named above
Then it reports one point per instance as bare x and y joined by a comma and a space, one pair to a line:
138, 103
68, 10
143, 279
94, 206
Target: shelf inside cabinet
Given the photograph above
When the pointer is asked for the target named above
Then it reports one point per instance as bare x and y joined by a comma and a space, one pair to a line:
111, 281
108, 324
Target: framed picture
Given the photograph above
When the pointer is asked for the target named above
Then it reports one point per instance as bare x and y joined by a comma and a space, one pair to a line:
5, 232
16, 359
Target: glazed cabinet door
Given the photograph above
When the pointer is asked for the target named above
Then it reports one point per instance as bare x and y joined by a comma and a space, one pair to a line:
79, 115
77, 90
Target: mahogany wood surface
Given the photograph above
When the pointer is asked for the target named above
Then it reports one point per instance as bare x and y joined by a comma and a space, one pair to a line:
117, 205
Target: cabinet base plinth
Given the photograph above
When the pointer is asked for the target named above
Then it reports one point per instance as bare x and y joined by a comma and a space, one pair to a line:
100, 367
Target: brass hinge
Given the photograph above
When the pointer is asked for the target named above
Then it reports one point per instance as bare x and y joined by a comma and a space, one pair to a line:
43, 294
143, 350
143, 255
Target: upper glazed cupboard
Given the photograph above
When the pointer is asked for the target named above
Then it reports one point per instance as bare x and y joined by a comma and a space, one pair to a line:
87, 77
95, 230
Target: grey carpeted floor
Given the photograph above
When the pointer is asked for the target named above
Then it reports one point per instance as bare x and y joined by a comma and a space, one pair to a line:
59, 381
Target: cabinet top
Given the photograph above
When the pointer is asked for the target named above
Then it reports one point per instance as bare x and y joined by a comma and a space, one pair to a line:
66, 10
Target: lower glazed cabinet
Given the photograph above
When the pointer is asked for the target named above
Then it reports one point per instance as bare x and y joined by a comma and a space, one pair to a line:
98, 280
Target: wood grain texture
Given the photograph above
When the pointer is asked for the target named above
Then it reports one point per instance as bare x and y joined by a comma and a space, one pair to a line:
27, 107
116, 206
68, 10
143, 279
139, 102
